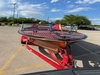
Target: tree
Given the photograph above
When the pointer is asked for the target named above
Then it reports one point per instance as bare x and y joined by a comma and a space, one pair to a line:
10, 19
70, 19
82, 20
3, 19
44, 22
58, 21
37, 21
25, 20
74, 19
61, 22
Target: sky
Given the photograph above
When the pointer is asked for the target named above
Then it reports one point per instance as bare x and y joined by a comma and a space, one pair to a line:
52, 9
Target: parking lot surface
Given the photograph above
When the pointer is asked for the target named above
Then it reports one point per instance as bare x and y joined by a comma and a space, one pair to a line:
15, 59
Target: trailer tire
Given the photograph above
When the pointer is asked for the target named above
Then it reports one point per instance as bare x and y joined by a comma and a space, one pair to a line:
23, 42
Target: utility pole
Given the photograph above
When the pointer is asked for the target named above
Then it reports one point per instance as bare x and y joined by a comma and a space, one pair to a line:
14, 12
48, 19
17, 14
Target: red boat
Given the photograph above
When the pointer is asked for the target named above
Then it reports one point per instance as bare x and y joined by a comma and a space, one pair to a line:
53, 38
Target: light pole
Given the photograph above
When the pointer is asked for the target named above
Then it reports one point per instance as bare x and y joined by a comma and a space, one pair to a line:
48, 19
17, 14
14, 12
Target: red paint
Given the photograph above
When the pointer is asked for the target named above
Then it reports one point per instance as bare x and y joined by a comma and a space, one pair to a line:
66, 62
58, 67
23, 38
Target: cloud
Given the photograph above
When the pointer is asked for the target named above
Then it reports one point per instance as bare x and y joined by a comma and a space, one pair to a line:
52, 1
96, 22
1, 3
54, 19
87, 1
71, 6
6, 13
24, 9
5, 8
69, 1
33, 10
13, 1
95, 19
65, 1
79, 9
31, 13
29, 7
55, 10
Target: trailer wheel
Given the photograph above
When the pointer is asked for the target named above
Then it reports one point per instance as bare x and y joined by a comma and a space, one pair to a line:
23, 42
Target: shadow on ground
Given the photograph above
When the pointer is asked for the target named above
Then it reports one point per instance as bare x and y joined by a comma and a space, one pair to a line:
86, 52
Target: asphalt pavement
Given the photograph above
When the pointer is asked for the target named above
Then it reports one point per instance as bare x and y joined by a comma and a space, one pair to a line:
15, 59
